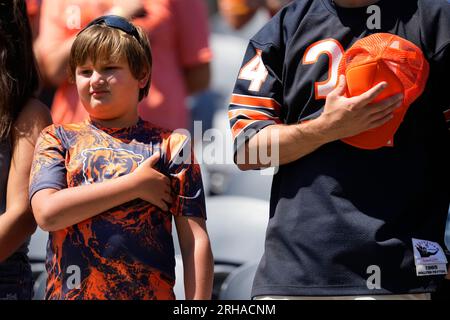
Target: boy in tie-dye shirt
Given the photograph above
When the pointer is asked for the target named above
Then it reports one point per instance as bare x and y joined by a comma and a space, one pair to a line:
106, 189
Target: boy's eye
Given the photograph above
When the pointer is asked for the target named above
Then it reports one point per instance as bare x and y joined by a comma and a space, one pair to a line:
85, 72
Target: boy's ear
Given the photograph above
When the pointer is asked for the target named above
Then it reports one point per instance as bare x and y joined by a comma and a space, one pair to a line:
143, 81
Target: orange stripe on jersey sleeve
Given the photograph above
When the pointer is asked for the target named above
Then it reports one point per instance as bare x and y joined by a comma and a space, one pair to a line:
252, 114
256, 102
239, 126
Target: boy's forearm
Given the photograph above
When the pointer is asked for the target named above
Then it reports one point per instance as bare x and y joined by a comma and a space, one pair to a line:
198, 271
70, 206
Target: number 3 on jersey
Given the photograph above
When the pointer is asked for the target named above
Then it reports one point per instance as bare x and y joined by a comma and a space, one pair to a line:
334, 50
256, 72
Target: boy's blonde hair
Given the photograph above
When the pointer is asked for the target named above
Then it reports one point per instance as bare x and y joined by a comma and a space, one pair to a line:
102, 43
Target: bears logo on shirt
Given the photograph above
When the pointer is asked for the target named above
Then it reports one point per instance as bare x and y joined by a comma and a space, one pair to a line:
106, 163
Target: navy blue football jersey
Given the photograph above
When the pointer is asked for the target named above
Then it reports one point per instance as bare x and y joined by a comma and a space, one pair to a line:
341, 211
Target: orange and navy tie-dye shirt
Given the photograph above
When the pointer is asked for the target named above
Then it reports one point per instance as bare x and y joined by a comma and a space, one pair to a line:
126, 252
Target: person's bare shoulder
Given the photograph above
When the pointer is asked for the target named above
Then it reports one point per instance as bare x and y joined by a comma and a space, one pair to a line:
34, 117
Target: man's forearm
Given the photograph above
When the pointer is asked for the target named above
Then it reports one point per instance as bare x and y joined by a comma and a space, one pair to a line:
70, 206
294, 141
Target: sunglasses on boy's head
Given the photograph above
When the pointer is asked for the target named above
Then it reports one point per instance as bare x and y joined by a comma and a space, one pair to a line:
116, 22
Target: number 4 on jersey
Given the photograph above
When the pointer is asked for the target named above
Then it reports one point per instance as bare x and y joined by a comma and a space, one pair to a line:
255, 72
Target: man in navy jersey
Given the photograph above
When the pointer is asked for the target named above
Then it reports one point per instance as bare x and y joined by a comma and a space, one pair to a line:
346, 222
